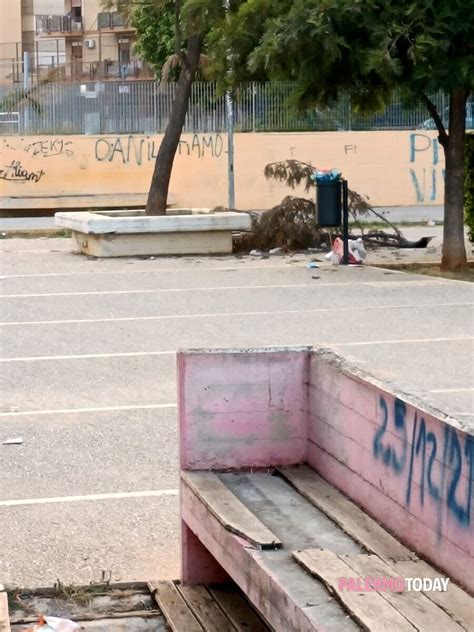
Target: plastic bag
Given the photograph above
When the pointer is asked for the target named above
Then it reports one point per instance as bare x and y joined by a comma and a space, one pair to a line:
357, 252
54, 624
326, 175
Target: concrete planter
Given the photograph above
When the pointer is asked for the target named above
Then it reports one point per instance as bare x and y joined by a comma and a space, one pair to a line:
129, 233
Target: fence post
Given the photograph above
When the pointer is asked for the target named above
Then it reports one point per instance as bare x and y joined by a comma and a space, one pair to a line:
26, 78
230, 130
254, 99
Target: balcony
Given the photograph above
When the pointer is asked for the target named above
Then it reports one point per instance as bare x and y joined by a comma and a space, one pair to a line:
114, 21
58, 25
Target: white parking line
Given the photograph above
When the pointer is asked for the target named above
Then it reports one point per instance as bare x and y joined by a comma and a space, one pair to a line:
130, 354
197, 268
234, 314
453, 390
396, 342
233, 288
70, 411
89, 497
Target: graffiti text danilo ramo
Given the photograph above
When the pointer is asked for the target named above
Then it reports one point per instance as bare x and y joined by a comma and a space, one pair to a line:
138, 150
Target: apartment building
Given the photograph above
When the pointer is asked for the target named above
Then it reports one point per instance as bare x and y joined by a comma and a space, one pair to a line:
72, 39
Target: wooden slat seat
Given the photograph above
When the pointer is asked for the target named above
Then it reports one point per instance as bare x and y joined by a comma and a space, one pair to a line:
375, 610
232, 514
239, 518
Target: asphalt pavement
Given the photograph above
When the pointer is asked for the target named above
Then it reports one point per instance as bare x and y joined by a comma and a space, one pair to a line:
89, 383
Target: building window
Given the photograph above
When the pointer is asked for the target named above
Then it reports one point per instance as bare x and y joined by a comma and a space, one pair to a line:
109, 20
76, 50
124, 51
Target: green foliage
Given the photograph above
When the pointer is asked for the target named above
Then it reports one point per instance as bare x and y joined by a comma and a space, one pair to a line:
163, 27
155, 34
364, 47
469, 186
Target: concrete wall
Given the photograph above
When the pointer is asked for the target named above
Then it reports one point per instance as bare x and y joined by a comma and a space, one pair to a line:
10, 22
391, 168
240, 408
408, 466
10, 37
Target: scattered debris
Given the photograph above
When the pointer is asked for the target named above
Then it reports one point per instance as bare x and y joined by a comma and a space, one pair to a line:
312, 264
357, 252
380, 238
291, 225
54, 624
255, 253
14, 441
276, 251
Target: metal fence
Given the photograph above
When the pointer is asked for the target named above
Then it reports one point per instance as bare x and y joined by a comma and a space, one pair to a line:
133, 107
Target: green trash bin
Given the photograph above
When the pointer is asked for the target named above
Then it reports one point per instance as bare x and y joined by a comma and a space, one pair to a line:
328, 202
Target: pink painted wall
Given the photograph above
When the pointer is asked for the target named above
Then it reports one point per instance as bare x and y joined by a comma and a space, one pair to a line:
242, 408
407, 466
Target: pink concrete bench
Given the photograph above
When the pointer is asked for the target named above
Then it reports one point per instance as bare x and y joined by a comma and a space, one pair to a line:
268, 441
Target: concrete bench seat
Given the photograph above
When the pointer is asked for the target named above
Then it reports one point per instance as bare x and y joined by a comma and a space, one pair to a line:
277, 495
131, 233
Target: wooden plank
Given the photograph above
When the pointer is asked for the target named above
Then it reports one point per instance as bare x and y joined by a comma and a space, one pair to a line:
237, 609
205, 609
178, 616
370, 609
345, 513
247, 568
4, 616
228, 509
414, 606
455, 601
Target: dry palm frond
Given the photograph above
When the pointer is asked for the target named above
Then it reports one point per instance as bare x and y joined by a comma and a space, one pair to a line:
173, 61
290, 225
291, 172
294, 172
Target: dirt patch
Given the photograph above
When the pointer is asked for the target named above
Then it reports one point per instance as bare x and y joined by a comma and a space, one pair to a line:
105, 607
430, 269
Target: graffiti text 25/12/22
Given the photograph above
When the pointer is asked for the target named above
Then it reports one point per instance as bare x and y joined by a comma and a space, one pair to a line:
435, 457
15, 172
133, 149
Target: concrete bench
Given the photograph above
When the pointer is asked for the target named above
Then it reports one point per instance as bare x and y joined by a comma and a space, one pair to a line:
299, 471
131, 233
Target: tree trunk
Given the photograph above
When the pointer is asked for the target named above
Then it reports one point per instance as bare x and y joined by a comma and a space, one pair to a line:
454, 251
158, 194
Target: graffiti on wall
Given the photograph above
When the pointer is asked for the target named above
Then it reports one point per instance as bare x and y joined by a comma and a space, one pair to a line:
15, 172
433, 463
50, 147
426, 181
138, 150
44, 147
